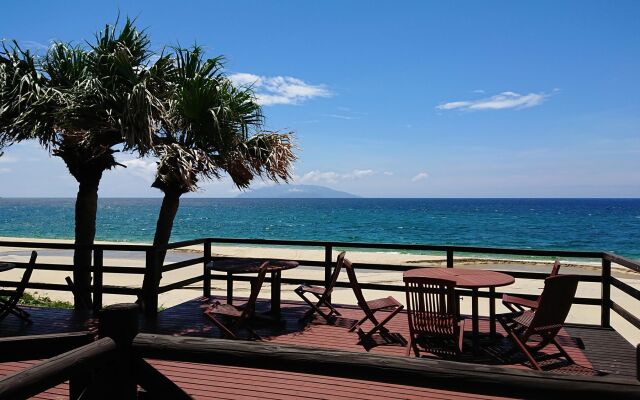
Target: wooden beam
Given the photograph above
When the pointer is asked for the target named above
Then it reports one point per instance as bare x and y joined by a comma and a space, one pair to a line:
447, 375
36, 347
29, 382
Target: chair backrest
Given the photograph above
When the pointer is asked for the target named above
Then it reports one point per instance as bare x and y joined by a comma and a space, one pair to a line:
556, 268
250, 307
554, 305
432, 306
335, 274
25, 279
357, 290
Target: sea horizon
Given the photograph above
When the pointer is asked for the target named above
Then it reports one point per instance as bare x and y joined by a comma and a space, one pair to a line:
589, 224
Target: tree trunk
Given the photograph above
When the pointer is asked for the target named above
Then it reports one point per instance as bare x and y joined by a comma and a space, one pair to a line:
86, 208
164, 225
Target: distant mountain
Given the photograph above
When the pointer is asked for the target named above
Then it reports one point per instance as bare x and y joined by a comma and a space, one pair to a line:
296, 192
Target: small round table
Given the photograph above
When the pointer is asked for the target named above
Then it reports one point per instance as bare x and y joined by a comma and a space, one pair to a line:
252, 266
473, 279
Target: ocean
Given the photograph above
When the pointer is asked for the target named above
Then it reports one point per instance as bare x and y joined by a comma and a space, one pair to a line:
576, 224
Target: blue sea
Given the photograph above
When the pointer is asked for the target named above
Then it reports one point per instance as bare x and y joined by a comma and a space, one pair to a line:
577, 224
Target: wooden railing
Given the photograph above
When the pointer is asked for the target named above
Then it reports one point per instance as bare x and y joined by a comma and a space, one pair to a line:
605, 277
114, 365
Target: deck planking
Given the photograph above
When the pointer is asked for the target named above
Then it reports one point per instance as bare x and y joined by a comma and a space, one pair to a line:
596, 351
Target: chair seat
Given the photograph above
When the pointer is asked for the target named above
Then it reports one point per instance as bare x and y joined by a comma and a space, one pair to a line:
381, 304
225, 309
519, 300
310, 289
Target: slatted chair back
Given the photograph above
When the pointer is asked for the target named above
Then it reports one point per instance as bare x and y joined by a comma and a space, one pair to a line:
556, 268
334, 275
555, 302
432, 306
357, 290
26, 276
250, 306
10, 305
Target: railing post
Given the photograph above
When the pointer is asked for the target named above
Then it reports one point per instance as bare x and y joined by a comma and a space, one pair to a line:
605, 315
151, 297
206, 272
98, 263
120, 323
449, 258
328, 260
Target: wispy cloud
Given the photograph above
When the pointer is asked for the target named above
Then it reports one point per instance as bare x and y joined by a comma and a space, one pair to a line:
145, 169
502, 101
420, 177
271, 90
339, 116
5, 170
334, 177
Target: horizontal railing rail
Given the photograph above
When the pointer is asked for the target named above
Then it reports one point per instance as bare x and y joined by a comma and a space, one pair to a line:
450, 257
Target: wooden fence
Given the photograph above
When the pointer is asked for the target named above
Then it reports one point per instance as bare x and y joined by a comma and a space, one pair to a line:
604, 277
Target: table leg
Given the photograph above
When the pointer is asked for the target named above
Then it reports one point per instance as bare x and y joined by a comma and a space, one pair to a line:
474, 319
275, 293
492, 311
229, 288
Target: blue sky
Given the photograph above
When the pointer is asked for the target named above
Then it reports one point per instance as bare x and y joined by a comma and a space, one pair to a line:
394, 99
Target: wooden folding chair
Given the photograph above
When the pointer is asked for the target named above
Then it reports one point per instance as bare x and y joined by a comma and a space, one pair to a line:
238, 316
321, 295
433, 311
10, 304
370, 308
518, 304
545, 321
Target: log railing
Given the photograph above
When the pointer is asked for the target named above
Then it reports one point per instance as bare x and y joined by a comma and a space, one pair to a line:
114, 366
605, 277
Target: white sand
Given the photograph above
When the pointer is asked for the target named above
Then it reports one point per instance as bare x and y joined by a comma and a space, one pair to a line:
579, 313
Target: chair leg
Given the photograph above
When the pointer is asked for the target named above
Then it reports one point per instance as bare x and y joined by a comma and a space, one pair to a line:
379, 326
562, 350
223, 328
525, 350
357, 324
461, 334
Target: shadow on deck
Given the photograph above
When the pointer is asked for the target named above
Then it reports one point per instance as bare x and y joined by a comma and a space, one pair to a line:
597, 351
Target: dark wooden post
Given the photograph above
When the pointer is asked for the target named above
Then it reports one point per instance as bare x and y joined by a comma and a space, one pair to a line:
449, 258
98, 263
328, 262
151, 297
206, 273
605, 315
120, 323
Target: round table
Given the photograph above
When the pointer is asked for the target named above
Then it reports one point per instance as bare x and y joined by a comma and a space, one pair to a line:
252, 266
473, 279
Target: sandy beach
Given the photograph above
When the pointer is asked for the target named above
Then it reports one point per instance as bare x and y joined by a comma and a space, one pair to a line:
579, 313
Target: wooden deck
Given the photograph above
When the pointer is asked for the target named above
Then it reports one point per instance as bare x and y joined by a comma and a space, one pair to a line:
597, 351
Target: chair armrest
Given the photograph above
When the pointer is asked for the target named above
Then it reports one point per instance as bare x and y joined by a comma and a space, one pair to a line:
520, 301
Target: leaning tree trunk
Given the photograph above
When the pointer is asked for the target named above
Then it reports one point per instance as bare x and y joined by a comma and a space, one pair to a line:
86, 209
164, 225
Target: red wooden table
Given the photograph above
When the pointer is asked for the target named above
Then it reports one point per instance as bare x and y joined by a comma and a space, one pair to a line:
252, 266
473, 279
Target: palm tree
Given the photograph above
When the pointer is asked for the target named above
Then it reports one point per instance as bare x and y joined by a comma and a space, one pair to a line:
213, 128
83, 103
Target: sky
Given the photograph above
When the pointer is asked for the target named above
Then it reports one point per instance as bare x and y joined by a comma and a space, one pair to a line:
392, 99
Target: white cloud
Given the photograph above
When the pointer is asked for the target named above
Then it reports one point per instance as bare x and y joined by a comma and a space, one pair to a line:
420, 177
145, 169
8, 159
272, 90
502, 101
5, 170
388, 173
333, 177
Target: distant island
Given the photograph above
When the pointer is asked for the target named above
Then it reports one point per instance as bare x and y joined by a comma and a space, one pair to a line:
296, 192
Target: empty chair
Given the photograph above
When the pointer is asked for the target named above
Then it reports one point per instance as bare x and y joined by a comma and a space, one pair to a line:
10, 304
321, 295
545, 321
370, 308
433, 311
229, 318
516, 303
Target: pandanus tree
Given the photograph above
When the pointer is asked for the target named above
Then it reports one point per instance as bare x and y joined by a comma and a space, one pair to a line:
83, 104
214, 128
